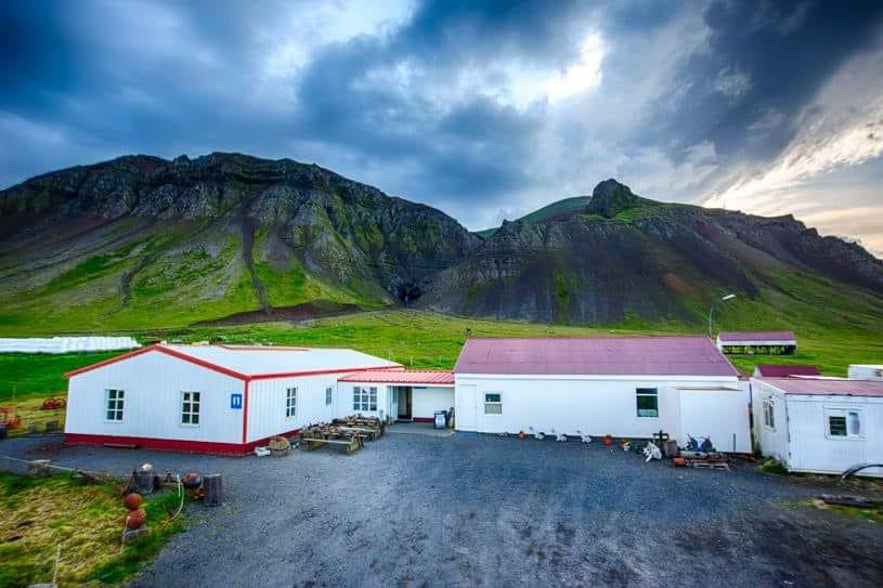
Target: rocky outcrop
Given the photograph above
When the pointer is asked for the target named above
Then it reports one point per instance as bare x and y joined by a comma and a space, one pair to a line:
346, 232
226, 234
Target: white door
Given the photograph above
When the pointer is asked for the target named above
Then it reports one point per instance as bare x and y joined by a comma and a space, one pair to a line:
465, 403
393, 393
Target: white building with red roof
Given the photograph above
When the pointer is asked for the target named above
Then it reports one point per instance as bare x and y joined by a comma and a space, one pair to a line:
210, 398
756, 343
412, 395
629, 387
820, 425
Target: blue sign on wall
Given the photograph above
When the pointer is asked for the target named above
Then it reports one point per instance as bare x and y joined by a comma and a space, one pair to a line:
236, 401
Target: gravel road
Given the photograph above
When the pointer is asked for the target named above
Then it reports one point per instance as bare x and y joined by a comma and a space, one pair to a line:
415, 510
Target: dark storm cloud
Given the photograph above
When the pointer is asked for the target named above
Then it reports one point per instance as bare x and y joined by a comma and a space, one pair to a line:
449, 102
766, 61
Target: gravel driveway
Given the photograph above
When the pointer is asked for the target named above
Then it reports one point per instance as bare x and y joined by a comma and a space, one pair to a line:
416, 510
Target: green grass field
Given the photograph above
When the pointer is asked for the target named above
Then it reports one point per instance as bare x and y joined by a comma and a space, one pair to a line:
417, 339
45, 516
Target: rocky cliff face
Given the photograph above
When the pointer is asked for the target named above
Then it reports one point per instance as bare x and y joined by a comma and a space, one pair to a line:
141, 241
284, 212
623, 255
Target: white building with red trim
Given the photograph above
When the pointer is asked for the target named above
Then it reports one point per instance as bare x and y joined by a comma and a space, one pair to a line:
210, 399
413, 395
819, 425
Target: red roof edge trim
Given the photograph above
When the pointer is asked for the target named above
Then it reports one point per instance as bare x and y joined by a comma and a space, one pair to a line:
261, 348
318, 372
112, 360
162, 349
201, 362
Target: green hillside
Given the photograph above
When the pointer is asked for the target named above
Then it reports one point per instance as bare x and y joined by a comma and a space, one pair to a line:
546, 212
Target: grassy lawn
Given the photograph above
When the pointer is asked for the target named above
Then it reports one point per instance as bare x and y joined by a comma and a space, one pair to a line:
38, 515
40, 374
413, 338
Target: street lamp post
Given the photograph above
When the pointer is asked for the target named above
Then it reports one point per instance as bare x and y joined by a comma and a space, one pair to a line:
711, 310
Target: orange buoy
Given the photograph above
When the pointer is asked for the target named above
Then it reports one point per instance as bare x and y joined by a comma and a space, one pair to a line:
133, 500
136, 518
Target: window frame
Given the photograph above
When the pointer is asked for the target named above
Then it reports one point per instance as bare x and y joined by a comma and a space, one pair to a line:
365, 398
840, 412
498, 403
769, 414
195, 402
329, 395
644, 393
119, 401
290, 402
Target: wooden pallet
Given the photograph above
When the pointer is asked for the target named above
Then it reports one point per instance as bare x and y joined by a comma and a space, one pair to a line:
708, 465
349, 445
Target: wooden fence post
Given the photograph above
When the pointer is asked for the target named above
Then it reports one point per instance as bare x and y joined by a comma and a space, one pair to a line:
214, 489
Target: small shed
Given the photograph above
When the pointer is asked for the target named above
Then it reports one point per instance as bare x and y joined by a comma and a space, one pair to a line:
866, 372
409, 395
208, 398
785, 371
629, 387
758, 343
820, 425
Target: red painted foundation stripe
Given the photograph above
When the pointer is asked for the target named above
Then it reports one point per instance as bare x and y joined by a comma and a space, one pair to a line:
170, 444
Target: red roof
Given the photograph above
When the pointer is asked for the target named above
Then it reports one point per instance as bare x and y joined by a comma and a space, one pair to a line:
757, 336
822, 386
427, 377
784, 370
601, 356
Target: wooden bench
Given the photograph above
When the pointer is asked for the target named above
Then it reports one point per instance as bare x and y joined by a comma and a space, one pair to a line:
370, 434
354, 443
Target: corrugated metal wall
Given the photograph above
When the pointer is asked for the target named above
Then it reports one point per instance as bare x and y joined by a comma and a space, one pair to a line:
266, 404
813, 449
719, 414
593, 406
153, 383
773, 441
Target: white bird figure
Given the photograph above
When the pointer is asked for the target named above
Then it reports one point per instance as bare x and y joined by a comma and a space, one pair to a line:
584, 438
559, 437
652, 452
538, 435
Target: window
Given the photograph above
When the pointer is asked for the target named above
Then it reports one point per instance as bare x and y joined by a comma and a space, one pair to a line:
290, 402
493, 403
844, 424
648, 402
189, 408
769, 415
115, 405
364, 398
328, 392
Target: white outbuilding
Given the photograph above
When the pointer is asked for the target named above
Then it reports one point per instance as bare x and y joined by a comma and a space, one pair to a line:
865, 372
207, 398
820, 425
629, 387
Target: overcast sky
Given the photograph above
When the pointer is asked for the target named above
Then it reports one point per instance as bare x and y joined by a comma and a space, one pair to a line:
486, 110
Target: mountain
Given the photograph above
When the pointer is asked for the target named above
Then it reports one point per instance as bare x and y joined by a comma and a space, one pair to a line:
622, 256
561, 207
142, 242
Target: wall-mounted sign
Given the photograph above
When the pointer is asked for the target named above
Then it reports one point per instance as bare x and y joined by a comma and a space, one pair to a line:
236, 401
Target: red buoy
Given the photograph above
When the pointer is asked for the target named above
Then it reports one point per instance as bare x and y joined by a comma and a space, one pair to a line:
136, 518
133, 500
